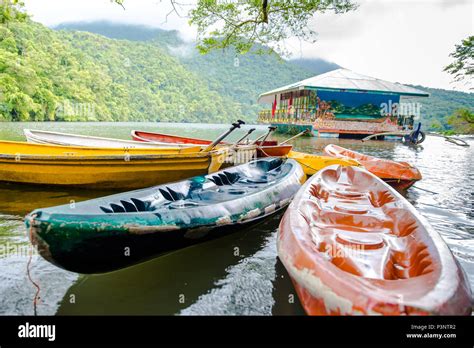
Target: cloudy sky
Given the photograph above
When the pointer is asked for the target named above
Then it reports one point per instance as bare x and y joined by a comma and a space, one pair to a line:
407, 41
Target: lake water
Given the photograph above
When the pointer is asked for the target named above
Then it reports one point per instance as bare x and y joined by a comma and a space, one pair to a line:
235, 275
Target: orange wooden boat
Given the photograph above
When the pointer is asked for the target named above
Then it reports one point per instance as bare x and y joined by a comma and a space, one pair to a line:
168, 138
400, 175
353, 245
270, 148
267, 148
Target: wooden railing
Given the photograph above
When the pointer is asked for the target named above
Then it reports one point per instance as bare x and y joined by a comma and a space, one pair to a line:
385, 124
299, 116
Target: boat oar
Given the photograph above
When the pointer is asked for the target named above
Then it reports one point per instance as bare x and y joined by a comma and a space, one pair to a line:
265, 136
306, 131
245, 136
235, 125
260, 137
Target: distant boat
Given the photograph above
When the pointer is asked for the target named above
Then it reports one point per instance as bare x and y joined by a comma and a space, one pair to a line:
400, 175
93, 235
267, 148
103, 168
352, 245
66, 139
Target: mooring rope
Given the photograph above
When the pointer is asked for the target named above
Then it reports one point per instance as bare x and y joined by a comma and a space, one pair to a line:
422, 189
36, 285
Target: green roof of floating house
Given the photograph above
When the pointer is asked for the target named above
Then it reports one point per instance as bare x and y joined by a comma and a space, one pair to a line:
344, 80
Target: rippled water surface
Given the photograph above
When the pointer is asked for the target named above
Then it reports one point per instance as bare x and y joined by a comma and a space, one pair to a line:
234, 275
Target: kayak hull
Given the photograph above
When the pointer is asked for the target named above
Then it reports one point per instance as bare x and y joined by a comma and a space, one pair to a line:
400, 185
400, 175
353, 245
115, 249
272, 149
99, 168
115, 231
66, 139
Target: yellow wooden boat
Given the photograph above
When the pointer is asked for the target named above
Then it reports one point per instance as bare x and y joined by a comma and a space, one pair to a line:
313, 163
103, 168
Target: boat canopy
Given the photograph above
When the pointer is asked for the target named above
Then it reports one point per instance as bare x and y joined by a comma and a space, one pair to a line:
344, 80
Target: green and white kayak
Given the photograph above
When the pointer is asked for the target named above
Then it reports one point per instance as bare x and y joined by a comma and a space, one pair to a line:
108, 233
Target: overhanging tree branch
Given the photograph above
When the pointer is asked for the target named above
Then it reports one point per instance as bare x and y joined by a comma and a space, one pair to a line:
244, 24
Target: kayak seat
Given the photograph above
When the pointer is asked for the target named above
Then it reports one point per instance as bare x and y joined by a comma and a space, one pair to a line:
225, 178
136, 205
350, 221
230, 184
267, 166
380, 198
170, 195
414, 262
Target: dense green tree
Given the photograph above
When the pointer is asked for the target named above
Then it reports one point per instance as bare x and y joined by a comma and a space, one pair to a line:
436, 125
462, 121
66, 76
11, 11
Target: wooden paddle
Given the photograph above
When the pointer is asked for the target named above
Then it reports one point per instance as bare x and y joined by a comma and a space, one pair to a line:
260, 137
224, 135
245, 136
264, 136
306, 131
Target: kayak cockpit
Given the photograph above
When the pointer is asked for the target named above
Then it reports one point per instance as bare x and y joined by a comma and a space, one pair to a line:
211, 189
363, 228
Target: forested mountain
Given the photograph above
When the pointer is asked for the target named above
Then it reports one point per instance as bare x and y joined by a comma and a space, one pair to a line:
239, 77
441, 105
315, 65
103, 71
65, 75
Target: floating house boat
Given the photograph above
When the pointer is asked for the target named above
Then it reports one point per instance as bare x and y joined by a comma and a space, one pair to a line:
341, 103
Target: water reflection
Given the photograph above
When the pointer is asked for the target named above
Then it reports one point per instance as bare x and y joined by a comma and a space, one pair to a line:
174, 282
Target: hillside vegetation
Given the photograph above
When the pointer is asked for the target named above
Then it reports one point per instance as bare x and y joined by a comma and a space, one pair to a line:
113, 72
64, 75
239, 77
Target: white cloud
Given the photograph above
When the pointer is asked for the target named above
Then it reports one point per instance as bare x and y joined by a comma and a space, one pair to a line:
400, 41
151, 13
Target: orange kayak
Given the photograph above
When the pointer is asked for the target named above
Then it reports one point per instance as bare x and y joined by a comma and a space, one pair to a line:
400, 175
353, 245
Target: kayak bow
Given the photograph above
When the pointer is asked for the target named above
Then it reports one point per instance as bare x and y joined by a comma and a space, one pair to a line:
401, 175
